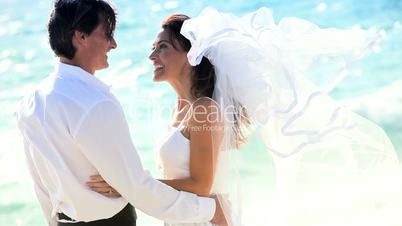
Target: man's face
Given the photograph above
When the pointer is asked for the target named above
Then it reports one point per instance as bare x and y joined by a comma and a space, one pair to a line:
95, 50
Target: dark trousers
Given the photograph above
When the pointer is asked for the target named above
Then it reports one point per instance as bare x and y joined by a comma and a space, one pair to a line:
126, 217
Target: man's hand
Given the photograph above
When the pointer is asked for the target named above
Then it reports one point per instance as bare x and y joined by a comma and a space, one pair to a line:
219, 217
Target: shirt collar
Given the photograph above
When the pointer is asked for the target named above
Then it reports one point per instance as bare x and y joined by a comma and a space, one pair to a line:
67, 70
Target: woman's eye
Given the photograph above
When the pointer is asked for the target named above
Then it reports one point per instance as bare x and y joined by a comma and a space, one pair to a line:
160, 46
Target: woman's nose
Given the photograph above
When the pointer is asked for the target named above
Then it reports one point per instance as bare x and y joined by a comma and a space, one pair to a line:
152, 56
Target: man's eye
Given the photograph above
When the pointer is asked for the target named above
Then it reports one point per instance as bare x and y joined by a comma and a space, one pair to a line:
162, 46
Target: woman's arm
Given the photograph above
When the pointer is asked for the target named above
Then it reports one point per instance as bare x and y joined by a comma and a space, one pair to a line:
205, 129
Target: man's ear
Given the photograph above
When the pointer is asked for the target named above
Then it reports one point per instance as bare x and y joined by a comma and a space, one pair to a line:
79, 38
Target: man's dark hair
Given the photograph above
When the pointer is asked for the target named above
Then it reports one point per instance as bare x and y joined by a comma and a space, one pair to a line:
69, 16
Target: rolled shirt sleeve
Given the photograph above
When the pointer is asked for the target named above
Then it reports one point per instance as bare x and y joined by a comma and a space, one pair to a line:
104, 137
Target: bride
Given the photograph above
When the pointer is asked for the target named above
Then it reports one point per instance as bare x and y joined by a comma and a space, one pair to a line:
233, 75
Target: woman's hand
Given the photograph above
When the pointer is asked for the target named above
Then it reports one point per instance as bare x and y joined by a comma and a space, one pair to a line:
98, 184
219, 216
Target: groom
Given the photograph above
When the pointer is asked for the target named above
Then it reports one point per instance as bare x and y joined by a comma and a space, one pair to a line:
73, 127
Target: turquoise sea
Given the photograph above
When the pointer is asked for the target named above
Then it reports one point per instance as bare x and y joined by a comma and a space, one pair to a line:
375, 90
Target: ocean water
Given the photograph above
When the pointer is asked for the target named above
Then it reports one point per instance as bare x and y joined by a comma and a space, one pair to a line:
375, 90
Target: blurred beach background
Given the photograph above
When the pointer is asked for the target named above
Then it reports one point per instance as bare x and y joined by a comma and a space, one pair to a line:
374, 89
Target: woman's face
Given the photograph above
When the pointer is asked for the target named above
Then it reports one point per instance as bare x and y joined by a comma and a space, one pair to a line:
169, 63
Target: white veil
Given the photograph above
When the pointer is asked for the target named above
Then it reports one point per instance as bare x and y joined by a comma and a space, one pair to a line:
332, 166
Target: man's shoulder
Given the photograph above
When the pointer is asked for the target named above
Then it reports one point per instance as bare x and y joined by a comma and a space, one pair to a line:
60, 98
64, 93
77, 91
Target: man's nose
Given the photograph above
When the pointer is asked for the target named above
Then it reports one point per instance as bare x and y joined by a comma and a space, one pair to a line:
113, 43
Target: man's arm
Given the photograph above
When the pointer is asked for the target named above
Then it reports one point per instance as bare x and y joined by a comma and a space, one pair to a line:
105, 140
41, 192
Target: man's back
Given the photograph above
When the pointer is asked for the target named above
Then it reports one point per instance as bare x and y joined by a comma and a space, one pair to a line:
49, 119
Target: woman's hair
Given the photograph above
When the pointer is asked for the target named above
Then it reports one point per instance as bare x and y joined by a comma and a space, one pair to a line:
69, 16
203, 75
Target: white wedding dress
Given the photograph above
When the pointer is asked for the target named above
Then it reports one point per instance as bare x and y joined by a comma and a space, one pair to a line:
332, 166
173, 157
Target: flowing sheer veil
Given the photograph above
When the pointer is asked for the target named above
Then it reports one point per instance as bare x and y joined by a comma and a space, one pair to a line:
332, 166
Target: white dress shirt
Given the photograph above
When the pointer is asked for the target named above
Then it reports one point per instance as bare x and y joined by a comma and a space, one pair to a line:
73, 127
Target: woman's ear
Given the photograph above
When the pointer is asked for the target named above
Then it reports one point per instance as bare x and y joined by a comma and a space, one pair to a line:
189, 67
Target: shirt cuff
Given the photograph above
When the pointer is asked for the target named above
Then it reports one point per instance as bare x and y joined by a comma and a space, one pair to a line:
207, 208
